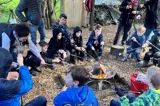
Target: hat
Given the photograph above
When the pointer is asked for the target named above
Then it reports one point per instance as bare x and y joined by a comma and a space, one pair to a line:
5, 62
76, 29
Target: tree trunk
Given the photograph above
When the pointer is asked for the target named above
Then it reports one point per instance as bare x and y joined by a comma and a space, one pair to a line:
48, 12
117, 50
92, 16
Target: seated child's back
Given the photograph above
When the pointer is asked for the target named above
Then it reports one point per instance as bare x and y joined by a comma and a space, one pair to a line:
78, 94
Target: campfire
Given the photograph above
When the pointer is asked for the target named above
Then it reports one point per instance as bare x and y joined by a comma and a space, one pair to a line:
101, 72
103, 77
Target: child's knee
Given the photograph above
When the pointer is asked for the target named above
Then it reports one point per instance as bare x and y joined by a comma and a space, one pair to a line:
115, 102
42, 99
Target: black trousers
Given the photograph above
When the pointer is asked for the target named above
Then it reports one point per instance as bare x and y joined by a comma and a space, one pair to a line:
78, 55
38, 101
155, 55
97, 53
31, 60
126, 27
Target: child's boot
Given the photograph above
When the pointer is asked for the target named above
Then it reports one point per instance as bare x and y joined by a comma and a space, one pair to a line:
125, 58
143, 64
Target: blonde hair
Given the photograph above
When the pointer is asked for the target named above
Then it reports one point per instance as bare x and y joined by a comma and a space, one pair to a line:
152, 71
142, 29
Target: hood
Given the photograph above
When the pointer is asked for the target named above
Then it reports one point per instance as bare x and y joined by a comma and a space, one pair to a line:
9, 88
76, 29
5, 62
80, 94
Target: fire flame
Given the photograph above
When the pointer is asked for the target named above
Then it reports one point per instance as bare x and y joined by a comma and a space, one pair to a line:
102, 74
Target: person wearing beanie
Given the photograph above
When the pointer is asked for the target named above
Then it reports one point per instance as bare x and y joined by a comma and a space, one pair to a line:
11, 89
77, 50
57, 48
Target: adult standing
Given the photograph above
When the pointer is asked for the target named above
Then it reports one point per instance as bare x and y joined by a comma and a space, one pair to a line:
128, 10
33, 17
152, 19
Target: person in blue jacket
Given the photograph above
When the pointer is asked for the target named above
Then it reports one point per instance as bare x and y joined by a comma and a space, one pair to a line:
12, 89
78, 94
95, 43
136, 41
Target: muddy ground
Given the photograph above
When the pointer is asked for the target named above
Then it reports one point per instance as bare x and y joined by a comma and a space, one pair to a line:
45, 83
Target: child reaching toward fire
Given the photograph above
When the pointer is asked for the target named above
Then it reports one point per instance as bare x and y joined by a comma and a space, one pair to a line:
95, 43
135, 41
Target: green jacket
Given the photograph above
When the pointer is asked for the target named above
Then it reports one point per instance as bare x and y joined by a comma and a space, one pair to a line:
148, 98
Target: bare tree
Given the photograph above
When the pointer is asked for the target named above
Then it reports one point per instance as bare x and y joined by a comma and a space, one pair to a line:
49, 11
5, 2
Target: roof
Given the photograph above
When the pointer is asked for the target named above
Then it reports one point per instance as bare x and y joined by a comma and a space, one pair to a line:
108, 2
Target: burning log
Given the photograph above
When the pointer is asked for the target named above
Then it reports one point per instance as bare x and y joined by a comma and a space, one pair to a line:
99, 72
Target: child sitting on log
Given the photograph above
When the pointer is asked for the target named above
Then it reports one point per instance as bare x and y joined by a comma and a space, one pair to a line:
78, 94
136, 41
95, 43
77, 48
57, 48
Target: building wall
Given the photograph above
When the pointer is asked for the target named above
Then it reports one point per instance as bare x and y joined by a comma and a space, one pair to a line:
74, 10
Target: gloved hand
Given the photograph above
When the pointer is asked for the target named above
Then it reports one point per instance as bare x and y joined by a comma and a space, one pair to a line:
119, 92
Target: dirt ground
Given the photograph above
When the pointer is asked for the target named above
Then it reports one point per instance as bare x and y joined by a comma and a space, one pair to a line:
46, 85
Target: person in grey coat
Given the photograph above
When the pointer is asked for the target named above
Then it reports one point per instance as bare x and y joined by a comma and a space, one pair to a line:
33, 17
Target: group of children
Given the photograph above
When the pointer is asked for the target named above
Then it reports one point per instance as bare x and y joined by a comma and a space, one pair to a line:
63, 43
137, 43
76, 92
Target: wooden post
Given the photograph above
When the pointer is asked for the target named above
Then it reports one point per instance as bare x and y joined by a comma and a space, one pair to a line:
62, 6
92, 16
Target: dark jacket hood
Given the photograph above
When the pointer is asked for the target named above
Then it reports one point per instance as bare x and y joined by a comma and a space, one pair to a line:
5, 62
76, 29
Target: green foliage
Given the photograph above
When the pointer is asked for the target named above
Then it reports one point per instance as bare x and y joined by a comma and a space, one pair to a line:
57, 8
4, 9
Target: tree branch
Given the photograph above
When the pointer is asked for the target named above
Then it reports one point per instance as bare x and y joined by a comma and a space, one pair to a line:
5, 2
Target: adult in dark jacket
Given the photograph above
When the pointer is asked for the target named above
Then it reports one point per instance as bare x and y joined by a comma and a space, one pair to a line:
33, 17
95, 43
152, 19
11, 89
77, 48
14, 36
128, 11
60, 26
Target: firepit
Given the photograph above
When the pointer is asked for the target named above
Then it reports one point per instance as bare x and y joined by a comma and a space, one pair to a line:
101, 73
104, 77
99, 77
